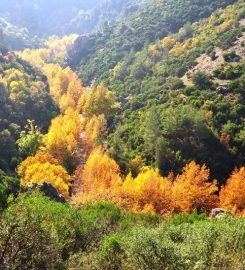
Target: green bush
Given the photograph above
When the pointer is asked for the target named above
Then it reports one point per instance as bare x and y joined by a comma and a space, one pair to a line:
207, 244
25, 244
102, 236
185, 218
231, 57
8, 186
201, 80
72, 229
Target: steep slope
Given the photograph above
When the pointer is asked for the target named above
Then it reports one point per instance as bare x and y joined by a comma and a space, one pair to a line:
24, 95
177, 53
17, 38
95, 55
45, 18
165, 122
105, 13
210, 62
204, 121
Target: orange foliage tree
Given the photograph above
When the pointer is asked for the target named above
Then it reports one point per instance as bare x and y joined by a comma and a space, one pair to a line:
99, 178
147, 192
44, 168
63, 138
100, 172
193, 191
232, 195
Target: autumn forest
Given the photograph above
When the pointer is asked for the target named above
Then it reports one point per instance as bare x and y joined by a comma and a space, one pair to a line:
122, 135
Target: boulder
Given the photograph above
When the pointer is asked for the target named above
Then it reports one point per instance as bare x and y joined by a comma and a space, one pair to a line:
218, 213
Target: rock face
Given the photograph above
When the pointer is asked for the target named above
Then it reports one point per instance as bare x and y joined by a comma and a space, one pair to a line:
217, 213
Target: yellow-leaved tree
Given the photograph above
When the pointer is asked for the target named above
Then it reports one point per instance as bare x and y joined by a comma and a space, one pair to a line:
95, 126
100, 172
192, 190
43, 168
147, 192
100, 178
65, 86
63, 138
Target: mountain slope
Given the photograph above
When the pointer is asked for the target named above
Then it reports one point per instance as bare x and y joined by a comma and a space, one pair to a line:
95, 55
204, 121
24, 95
45, 18
17, 38
25, 25
160, 119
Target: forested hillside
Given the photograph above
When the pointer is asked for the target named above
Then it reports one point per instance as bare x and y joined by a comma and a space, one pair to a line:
122, 149
44, 17
178, 122
116, 42
24, 95
25, 24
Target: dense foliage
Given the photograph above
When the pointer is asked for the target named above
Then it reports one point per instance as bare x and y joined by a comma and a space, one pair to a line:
169, 122
104, 237
45, 18
124, 173
169, 118
95, 55
17, 38
24, 95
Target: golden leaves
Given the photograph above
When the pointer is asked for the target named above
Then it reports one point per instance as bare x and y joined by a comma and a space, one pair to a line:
65, 87
100, 172
232, 195
193, 191
43, 168
62, 139
147, 191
